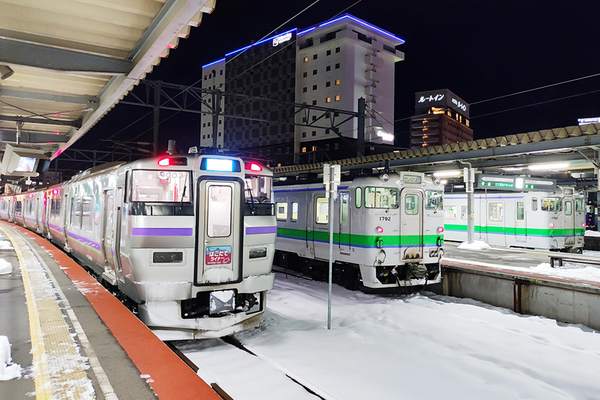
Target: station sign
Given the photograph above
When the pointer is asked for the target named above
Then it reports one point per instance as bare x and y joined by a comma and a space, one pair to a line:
515, 183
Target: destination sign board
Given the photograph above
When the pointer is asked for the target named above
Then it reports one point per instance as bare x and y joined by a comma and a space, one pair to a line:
515, 183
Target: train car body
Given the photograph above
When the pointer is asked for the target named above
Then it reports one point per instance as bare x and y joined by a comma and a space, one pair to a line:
387, 228
174, 234
536, 220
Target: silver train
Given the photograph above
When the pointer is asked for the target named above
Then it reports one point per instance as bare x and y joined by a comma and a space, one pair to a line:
536, 220
388, 230
188, 238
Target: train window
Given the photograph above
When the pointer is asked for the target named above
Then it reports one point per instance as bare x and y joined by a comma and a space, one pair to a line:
160, 186
294, 212
322, 210
568, 207
520, 210
219, 211
434, 200
534, 204
344, 203
450, 212
380, 197
552, 204
281, 211
496, 211
86, 214
358, 197
76, 212
578, 205
258, 188
411, 204
463, 212
18, 207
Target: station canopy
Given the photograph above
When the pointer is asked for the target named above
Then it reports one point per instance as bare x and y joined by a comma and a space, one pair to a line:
65, 63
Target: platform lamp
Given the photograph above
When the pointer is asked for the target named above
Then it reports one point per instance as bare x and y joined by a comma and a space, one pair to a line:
5, 71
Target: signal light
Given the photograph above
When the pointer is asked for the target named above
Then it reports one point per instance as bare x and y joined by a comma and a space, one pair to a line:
254, 167
379, 229
440, 229
164, 162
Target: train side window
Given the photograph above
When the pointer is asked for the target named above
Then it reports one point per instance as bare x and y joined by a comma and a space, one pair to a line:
358, 197
568, 207
86, 214
553, 204
381, 197
520, 210
76, 212
18, 207
294, 212
450, 212
534, 204
282, 211
463, 212
495, 211
322, 210
578, 205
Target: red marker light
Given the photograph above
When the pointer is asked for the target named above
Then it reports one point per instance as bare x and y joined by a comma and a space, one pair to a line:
254, 167
551, 225
440, 229
163, 162
379, 229
584, 224
55, 191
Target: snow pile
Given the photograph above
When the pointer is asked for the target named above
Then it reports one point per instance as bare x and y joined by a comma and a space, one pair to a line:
5, 267
476, 245
5, 245
8, 370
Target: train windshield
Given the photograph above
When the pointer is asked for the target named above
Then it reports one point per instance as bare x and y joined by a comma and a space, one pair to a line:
434, 200
258, 188
160, 186
553, 204
381, 197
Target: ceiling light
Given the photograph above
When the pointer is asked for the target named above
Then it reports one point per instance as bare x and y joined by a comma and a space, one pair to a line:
448, 173
549, 166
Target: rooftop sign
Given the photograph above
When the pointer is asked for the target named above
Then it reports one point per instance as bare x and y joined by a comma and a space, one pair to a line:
440, 98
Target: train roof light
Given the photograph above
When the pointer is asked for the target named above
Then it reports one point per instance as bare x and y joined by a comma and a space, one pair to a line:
254, 167
166, 161
218, 164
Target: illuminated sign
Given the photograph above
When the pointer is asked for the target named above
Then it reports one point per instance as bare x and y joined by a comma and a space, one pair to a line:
583, 121
440, 98
515, 183
281, 39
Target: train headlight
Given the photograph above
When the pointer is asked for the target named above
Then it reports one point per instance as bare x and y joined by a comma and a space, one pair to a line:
440, 229
379, 229
384, 177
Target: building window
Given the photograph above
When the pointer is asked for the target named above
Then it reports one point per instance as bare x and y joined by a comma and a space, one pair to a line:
314, 87
337, 97
305, 59
314, 71
304, 89
304, 149
328, 100
327, 84
337, 81
328, 68
303, 134
336, 146
337, 49
328, 52
327, 147
304, 74
337, 66
314, 102
314, 56
314, 133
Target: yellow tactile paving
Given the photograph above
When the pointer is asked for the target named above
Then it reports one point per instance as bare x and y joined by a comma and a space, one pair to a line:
59, 368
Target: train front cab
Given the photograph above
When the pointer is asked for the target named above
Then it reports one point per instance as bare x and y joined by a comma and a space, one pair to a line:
196, 283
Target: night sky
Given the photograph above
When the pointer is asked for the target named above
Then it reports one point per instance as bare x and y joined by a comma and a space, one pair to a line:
478, 49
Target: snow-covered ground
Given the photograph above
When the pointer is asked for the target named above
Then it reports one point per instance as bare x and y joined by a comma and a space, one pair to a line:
401, 347
8, 369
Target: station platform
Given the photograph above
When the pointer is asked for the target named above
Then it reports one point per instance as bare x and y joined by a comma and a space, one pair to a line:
73, 339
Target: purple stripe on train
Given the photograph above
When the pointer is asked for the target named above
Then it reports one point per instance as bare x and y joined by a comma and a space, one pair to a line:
257, 230
162, 231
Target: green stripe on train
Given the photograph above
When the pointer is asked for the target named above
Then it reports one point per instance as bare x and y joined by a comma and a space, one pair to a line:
361, 240
518, 231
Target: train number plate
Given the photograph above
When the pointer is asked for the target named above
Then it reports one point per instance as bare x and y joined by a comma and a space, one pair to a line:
216, 255
221, 301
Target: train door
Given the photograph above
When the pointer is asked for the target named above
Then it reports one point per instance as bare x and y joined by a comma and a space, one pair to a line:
495, 220
118, 229
108, 236
411, 220
569, 220
344, 225
219, 241
520, 222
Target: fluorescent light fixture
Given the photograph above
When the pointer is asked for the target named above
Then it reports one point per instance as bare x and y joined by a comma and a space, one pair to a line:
549, 166
512, 169
444, 182
385, 136
448, 174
